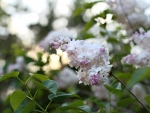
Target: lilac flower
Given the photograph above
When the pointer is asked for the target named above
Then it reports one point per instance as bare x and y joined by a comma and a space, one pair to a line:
54, 35
91, 60
143, 58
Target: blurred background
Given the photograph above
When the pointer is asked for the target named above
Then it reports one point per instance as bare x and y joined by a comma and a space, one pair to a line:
26, 26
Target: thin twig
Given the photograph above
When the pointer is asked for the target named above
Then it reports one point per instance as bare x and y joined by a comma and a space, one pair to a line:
130, 92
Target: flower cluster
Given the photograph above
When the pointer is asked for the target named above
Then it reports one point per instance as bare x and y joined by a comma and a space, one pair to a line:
143, 58
53, 35
131, 13
91, 60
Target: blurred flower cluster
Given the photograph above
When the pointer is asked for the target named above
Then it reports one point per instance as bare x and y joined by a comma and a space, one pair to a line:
141, 59
131, 13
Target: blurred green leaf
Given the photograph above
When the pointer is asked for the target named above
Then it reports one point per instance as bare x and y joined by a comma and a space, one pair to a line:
112, 40
17, 98
112, 89
87, 36
147, 98
40, 77
88, 25
22, 106
28, 108
122, 75
79, 109
138, 75
125, 102
78, 11
9, 75
77, 103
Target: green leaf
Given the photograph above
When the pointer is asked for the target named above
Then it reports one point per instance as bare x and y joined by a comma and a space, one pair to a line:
122, 75
9, 75
87, 36
126, 102
138, 75
77, 103
49, 85
22, 105
30, 107
112, 40
79, 109
40, 77
40, 85
85, 108
60, 96
147, 98
17, 98
112, 89
78, 11
88, 25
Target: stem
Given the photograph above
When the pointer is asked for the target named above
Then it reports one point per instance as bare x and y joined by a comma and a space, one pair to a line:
48, 106
131, 92
36, 93
27, 80
38, 111
20, 80
40, 107
31, 97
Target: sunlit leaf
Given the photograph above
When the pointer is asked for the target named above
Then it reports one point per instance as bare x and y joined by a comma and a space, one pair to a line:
40, 77
9, 75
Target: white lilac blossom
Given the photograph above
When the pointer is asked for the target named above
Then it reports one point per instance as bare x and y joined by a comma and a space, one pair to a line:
141, 59
142, 39
91, 60
139, 91
66, 78
52, 35
131, 13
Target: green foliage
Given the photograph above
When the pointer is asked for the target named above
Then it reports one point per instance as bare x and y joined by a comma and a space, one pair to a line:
17, 98
139, 75
39, 77
147, 98
116, 90
9, 75
80, 109
28, 108
125, 102
22, 102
